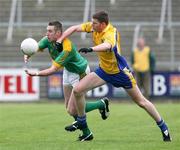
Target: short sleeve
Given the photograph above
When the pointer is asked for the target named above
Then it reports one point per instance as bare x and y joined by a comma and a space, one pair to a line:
43, 43
56, 64
67, 45
63, 58
87, 27
110, 38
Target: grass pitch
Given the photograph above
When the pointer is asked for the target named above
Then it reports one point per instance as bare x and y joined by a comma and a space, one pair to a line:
40, 126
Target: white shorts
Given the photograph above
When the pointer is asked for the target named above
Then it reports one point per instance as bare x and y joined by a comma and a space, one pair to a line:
70, 78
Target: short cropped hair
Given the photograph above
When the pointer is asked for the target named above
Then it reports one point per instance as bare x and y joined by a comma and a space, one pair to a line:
56, 24
101, 16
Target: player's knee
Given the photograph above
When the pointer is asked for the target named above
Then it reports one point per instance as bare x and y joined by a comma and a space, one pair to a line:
77, 91
143, 103
140, 101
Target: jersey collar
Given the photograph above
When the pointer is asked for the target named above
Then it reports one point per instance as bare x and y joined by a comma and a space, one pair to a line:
107, 28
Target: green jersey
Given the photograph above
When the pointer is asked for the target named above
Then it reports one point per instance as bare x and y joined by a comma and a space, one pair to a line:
68, 57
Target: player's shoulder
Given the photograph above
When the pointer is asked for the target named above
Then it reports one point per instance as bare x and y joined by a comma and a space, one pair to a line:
67, 40
44, 39
110, 30
147, 49
67, 44
43, 43
110, 33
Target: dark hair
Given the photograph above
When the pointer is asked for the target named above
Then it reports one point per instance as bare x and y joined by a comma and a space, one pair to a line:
56, 24
101, 16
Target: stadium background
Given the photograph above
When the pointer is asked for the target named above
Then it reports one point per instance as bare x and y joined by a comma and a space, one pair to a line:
157, 20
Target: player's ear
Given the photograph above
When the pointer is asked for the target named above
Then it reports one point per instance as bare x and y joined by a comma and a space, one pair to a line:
59, 33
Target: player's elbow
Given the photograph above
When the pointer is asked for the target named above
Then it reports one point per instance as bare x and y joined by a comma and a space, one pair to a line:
143, 103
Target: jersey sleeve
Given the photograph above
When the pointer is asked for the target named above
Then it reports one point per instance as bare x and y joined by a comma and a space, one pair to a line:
67, 45
87, 27
110, 38
43, 43
62, 59
54, 63
64, 56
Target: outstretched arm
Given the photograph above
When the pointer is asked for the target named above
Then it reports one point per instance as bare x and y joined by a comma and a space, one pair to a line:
69, 31
102, 47
99, 48
44, 72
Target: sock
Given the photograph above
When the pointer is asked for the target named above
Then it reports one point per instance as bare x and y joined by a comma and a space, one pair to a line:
82, 122
75, 118
162, 125
86, 131
94, 105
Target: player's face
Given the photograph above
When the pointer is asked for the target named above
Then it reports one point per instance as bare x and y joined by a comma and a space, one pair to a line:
52, 34
141, 43
97, 26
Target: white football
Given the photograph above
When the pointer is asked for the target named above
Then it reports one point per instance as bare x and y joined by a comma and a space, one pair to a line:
29, 46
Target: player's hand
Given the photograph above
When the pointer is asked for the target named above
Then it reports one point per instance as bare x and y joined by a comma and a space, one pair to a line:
85, 50
31, 73
58, 46
26, 58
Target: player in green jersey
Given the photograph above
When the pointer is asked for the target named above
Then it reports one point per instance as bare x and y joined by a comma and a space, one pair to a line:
75, 67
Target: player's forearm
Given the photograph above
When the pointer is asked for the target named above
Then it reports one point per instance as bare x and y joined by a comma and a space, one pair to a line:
102, 47
48, 71
68, 32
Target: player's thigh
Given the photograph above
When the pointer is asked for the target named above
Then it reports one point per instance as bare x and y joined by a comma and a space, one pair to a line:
89, 82
67, 89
